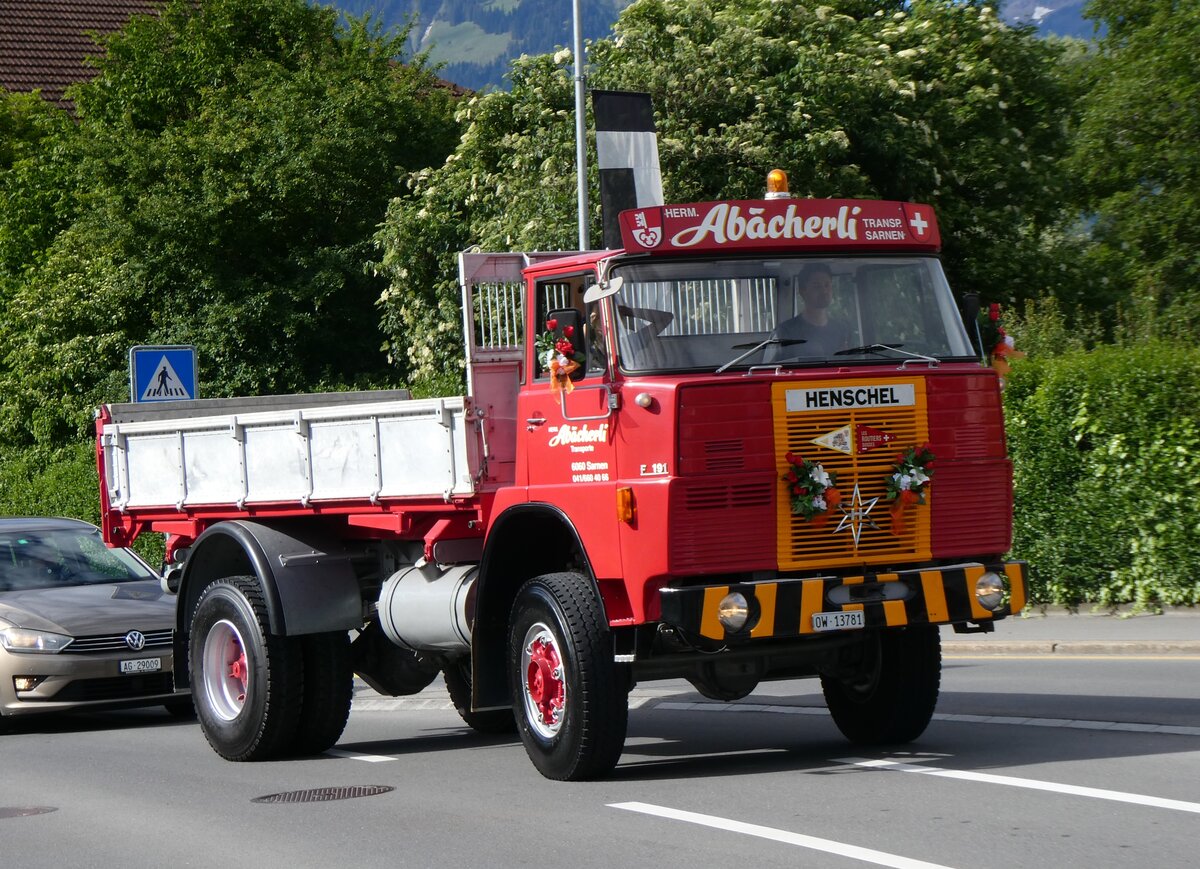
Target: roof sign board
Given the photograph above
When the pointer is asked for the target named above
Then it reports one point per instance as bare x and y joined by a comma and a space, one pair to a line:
780, 224
162, 373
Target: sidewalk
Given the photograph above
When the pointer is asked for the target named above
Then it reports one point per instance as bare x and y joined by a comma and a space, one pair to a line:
1055, 630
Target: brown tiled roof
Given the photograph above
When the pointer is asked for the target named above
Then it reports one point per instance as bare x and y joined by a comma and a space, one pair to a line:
43, 43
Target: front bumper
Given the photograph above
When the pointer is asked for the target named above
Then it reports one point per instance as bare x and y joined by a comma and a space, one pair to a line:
785, 607
92, 681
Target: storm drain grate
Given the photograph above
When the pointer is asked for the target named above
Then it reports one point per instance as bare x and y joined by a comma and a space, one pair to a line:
24, 811
324, 795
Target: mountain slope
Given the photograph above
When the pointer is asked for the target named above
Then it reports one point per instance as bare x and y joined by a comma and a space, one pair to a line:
477, 39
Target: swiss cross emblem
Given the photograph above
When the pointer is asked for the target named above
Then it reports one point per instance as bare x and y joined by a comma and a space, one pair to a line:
919, 223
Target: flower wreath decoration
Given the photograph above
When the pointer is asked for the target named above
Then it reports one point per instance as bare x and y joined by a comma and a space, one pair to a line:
912, 473
812, 489
557, 355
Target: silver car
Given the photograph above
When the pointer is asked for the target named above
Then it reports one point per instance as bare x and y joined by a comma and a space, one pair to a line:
82, 626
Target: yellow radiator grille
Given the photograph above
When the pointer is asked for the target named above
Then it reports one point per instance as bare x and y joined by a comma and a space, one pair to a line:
803, 545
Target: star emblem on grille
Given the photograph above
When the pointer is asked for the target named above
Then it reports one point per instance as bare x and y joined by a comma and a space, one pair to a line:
856, 514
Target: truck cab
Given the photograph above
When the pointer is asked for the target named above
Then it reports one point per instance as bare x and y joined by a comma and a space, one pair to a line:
731, 353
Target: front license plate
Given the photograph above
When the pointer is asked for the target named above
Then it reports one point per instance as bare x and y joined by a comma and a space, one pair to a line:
142, 665
839, 621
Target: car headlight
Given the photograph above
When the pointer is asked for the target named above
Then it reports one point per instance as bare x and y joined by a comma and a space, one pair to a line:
991, 590
734, 611
32, 642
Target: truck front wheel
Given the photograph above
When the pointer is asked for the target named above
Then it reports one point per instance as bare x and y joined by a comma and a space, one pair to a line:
891, 697
247, 684
570, 699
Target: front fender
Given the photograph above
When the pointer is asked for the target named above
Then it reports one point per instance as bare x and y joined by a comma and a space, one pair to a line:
527, 540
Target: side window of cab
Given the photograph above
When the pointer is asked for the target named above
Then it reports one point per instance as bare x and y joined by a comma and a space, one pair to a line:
566, 323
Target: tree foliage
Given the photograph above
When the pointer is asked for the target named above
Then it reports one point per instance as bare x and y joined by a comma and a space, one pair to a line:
1136, 158
934, 101
231, 164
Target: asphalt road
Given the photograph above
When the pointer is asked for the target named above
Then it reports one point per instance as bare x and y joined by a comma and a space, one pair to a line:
1032, 760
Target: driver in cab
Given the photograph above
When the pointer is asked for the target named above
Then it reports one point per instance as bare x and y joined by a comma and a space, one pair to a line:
814, 331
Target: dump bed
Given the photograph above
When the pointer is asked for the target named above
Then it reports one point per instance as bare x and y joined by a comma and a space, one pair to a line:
296, 449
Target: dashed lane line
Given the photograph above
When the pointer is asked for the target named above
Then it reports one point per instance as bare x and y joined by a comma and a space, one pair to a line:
1027, 783
828, 846
358, 755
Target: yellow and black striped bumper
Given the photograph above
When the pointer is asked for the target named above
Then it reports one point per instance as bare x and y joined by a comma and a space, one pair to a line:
785, 607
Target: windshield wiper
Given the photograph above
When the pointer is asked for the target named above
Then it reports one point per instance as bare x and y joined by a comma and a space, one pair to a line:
754, 348
876, 348
867, 348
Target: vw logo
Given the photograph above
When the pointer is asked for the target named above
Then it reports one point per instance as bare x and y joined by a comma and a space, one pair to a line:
136, 640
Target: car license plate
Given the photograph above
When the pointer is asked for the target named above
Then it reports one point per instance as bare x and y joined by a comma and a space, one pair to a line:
843, 621
142, 665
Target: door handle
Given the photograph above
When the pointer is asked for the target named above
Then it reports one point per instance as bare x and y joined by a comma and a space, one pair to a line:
535, 421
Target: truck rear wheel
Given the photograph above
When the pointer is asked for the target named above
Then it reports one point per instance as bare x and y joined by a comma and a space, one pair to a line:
570, 699
328, 692
458, 684
247, 685
891, 700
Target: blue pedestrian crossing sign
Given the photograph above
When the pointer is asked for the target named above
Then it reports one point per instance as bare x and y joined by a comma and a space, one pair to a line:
162, 373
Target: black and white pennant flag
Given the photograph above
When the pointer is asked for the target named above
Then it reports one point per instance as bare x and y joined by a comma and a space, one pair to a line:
627, 156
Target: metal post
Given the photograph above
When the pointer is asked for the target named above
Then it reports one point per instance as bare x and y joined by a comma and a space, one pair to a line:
580, 132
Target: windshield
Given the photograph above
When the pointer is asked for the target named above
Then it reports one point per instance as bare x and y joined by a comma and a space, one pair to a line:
50, 558
705, 314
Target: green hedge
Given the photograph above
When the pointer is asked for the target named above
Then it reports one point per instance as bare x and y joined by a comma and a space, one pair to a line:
39, 481
1106, 455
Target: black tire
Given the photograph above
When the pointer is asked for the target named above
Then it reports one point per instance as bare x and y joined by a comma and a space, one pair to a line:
247, 684
893, 700
571, 701
458, 684
328, 692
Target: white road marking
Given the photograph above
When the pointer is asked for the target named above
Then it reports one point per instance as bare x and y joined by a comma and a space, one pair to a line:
358, 755
867, 855
1028, 783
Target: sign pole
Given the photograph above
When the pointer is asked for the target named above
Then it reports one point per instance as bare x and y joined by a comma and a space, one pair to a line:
580, 132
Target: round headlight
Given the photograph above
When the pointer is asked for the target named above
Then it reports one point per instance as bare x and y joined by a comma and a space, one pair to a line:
734, 611
991, 590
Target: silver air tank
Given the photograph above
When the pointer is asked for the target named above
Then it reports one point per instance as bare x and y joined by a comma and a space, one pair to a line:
427, 608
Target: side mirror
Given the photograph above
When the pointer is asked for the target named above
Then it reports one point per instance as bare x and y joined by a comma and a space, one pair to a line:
602, 290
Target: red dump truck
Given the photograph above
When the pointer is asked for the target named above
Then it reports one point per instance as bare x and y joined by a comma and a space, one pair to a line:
758, 443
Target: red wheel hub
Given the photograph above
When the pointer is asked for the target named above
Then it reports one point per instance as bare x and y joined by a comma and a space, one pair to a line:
544, 681
238, 671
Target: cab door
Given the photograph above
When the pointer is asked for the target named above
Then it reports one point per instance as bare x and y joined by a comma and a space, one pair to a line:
568, 419
569, 453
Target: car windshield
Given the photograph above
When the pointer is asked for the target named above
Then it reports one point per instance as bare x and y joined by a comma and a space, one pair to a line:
49, 558
714, 314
